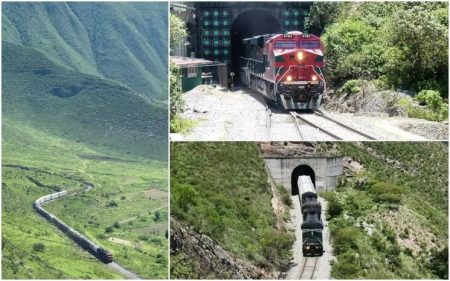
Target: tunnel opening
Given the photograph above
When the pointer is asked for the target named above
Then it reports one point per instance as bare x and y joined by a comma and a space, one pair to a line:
302, 170
248, 24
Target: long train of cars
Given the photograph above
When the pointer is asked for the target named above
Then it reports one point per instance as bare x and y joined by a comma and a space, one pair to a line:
102, 254
312, 225
285, 68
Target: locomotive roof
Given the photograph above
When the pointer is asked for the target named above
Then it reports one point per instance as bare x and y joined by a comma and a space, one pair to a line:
252, 40
306, 185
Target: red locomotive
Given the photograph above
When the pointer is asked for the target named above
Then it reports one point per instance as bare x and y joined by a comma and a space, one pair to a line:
286, 68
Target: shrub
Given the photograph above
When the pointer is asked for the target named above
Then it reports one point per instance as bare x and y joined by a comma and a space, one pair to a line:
345, 239
387, 192
350, 87
277, 246
334, 209
430, 98
111, 204
181, 125
38, 247
109, 229
285, 196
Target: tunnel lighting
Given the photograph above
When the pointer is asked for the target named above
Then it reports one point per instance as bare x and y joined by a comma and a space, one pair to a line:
300, 56
289, 78
314, 77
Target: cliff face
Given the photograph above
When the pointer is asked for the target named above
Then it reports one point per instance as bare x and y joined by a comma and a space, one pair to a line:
207, 257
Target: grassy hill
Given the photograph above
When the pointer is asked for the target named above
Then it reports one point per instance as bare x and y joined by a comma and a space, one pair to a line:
221, 190
110, 40
80, 107
391, 220
49, 164
69, 117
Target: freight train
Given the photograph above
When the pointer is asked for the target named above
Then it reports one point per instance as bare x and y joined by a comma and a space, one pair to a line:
285, 68
102, 254
312, 225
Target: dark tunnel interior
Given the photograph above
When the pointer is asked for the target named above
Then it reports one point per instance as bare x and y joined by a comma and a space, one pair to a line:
302, 170
248, 24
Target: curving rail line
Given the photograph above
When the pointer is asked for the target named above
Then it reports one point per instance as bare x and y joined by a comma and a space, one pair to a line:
80, 239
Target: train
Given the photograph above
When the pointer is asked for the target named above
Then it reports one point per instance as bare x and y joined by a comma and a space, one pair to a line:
99, 252
285, 68
312, 225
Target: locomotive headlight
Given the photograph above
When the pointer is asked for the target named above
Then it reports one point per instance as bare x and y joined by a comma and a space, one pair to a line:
314, 77
289, 78
300, 56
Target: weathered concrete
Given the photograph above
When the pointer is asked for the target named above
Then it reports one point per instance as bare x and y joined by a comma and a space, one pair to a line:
324, 170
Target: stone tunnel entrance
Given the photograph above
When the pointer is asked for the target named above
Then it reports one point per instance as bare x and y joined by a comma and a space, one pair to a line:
323, 170
302, 170
248, 24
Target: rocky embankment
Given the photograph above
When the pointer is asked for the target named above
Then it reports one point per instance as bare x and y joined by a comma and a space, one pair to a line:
211, 258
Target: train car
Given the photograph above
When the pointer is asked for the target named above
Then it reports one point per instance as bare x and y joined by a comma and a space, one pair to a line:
101, 253
312, 225
285, 68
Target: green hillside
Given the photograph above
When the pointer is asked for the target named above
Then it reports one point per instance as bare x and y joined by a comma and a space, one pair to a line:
390, 221
221, 190
84, 100
83, 108
85, 37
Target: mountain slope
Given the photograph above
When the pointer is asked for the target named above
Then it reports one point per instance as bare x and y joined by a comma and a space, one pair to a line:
122, 41
69, 104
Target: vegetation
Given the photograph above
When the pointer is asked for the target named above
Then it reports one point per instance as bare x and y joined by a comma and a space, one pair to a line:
403, 45
387, 221
84, 37
178, 124
74, 114
221, 190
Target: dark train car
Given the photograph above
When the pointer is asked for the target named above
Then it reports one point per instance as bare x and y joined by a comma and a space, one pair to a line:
312, 225
102, 254
286, 68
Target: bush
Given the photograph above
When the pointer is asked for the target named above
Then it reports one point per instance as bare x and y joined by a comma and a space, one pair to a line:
277, 246
345, 239
334, 210
181, 125
111, 204
430, 98
38, 247
387, 192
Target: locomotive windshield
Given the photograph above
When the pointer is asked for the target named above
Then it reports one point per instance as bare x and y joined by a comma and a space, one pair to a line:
286, 45
309, 45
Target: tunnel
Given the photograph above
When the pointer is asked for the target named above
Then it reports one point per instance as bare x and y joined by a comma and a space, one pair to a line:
249, 24
302, 170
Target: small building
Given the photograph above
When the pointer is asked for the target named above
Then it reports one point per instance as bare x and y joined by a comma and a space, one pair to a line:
196, 71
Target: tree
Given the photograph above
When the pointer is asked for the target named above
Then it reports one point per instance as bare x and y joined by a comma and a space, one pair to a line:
178, 31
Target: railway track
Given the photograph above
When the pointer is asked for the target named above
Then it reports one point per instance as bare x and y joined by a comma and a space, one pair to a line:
87, 187
328, 126
309, 268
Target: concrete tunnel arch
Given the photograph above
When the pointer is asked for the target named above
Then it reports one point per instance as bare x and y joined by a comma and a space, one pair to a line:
301, 170
247, 24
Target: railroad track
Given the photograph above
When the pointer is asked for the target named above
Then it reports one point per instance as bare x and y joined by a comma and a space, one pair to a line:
309, 268
327, 125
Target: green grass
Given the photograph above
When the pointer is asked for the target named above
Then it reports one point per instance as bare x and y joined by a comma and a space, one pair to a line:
398, 202
98, 112
85, 37
84, 99
57, 163
221, 190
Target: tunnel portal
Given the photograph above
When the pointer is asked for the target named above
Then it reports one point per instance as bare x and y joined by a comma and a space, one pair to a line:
248, 24
302, 170
217, 31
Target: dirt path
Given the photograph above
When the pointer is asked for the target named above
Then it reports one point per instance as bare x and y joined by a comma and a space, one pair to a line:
323, 267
